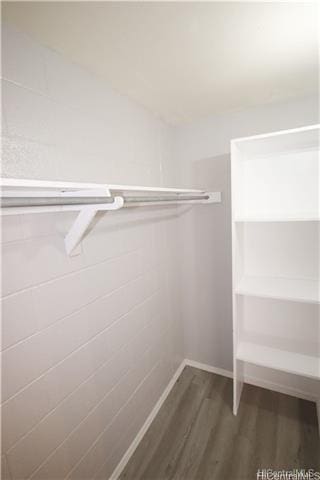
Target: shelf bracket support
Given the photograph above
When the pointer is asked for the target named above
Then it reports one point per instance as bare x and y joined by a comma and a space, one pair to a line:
83, 221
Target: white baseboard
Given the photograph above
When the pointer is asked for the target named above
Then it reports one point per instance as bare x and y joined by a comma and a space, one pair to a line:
293, 392
208, 368
126, 457
254, 381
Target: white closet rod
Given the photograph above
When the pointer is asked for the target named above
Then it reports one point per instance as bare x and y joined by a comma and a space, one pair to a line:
7, 202
23, 196
166, 198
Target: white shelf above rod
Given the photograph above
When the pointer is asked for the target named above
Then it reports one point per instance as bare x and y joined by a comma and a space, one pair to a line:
20, 196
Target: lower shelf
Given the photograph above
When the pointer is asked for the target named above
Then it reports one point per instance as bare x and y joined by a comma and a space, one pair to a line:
299, 290
285, 361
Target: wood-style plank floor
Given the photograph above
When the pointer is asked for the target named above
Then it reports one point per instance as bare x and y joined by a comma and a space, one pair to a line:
196, 437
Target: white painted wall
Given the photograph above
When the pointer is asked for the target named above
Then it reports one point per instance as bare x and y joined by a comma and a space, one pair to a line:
203, 151
89, 342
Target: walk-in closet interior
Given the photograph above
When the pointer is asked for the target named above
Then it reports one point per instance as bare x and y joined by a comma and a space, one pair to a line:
160, 240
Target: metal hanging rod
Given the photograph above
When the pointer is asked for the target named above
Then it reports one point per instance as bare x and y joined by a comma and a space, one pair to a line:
7, 202
23, 196
167, 198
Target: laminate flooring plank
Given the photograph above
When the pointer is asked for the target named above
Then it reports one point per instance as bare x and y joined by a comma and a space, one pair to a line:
153, 437
195, 436
227, 452
309, 448
210, 411
178, 430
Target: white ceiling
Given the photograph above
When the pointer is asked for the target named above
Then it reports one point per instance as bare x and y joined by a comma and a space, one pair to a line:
184, 60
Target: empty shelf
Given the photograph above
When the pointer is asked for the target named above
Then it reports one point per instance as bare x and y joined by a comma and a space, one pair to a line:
278, 218
299, 290
276, 359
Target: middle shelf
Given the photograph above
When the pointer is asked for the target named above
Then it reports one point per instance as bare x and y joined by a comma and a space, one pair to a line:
283, 360
300, 290
272, 218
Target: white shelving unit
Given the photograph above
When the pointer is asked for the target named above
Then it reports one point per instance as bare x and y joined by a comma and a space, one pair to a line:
276, 254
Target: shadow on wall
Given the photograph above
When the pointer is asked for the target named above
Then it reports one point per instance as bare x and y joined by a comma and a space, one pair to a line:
210, 315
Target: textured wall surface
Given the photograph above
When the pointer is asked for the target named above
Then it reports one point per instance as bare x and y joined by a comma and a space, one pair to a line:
88, 342
62, 123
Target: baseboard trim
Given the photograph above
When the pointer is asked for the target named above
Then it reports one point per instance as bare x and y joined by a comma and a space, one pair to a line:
279, 388
208, 368
253, 381
126, 457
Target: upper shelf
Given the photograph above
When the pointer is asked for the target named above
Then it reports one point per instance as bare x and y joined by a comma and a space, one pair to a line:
56, 196
276, 177
28, 184
35, 196
301, 138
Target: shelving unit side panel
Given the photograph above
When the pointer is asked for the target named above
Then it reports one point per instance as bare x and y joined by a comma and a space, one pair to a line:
236, 199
